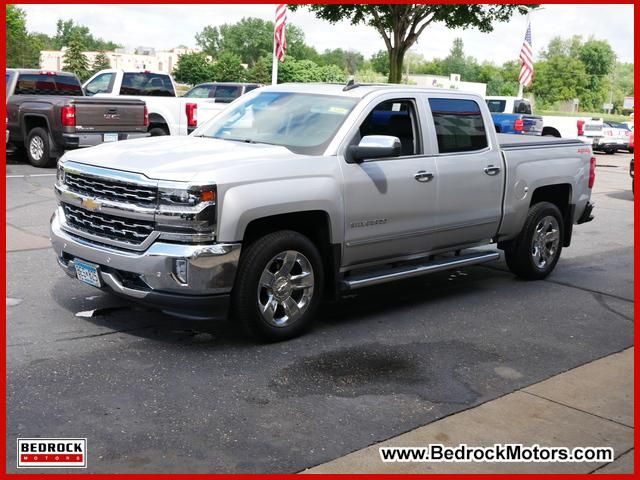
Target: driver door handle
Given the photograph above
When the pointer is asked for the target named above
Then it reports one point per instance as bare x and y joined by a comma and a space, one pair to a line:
492, 170
423, 176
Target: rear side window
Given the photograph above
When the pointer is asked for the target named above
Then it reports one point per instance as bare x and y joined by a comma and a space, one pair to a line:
496, 106
147, 84
521, 106
47, 84
459, 125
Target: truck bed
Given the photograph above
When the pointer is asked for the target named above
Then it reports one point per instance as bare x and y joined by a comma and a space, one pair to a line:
511, 142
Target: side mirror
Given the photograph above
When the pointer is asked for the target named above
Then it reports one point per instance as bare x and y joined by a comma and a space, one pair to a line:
374, 146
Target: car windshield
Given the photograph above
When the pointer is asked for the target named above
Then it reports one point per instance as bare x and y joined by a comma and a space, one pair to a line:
303, 123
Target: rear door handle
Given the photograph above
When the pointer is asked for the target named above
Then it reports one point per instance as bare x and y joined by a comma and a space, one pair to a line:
492, 170
423, 176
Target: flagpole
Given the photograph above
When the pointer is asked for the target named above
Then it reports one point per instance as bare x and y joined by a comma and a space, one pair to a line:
520, 85
274, 66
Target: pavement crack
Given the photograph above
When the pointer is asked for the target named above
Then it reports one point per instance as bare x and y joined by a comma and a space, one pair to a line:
589, 290
603, 303
609, 463
524, 390
104, 334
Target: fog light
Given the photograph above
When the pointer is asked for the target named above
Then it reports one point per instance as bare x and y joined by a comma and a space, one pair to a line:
182, 270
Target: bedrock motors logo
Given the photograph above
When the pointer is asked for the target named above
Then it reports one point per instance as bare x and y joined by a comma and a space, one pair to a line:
52, 453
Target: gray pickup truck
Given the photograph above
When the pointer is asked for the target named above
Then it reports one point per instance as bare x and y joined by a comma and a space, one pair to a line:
47, 113
297, 192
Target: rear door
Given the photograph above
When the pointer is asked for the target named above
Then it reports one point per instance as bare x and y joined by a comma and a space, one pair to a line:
470, 171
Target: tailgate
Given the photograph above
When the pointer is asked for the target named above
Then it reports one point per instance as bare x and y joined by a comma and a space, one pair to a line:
532, 125
109, 114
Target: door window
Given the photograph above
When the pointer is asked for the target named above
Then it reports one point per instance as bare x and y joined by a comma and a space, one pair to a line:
101, 84
203, 91
459, 125
396, 118
147, 84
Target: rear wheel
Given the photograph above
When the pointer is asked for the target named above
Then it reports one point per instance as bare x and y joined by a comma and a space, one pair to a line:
535, 252
278, 286
38, 148
158, 131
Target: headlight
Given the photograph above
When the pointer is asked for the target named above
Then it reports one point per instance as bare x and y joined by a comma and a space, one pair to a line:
60, 173
186, 212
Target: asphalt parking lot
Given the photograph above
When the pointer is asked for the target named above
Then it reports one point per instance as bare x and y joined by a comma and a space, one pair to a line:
152, 393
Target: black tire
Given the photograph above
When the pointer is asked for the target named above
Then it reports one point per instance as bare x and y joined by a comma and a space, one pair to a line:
519, 253
158, 131
38, 148
249, 294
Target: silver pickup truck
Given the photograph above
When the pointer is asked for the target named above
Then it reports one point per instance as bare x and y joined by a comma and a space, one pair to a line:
297, 192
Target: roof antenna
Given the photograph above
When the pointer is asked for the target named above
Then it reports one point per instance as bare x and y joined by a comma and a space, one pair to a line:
351, 84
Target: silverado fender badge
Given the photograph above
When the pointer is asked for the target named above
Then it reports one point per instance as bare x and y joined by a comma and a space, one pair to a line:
91, 204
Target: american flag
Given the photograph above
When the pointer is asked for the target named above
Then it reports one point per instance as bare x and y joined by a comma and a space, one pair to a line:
279, 32
526, 57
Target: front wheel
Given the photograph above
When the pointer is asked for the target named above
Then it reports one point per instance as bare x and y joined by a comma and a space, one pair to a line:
535, 252
278, 286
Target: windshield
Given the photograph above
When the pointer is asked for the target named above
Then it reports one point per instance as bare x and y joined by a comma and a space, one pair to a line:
303, 123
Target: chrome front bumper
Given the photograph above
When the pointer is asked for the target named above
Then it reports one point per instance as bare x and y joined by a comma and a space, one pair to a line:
150, 276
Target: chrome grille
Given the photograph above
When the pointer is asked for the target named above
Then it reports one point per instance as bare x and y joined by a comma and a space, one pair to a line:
107, 226
110, 189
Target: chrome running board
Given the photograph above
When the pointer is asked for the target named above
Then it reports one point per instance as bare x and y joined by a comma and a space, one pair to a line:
409, 271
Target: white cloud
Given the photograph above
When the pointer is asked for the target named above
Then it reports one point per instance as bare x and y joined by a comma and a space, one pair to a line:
166, 26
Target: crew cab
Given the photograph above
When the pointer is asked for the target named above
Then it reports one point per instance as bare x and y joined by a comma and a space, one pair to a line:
47, 114
168, 114
513, 115
296, 192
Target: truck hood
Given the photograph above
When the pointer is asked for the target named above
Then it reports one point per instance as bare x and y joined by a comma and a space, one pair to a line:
177, 158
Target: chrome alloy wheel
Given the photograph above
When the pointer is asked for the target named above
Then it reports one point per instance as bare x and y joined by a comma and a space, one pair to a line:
36, 148
285, 288
545, 242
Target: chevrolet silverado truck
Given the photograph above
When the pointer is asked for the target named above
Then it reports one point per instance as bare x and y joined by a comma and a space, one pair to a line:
168, 114
298, 192
47, 114
513, 115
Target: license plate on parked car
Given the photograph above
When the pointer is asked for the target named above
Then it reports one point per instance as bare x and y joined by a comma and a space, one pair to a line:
110, 137
87, 273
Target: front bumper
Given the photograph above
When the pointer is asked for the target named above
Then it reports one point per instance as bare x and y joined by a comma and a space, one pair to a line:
80, 140
150, 278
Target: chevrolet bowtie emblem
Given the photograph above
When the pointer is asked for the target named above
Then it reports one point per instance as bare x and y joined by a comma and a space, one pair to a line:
91, 204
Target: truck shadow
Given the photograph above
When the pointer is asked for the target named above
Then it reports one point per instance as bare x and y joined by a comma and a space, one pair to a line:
116, 315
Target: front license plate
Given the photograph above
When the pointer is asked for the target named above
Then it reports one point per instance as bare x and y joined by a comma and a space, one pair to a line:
110, 137
87, 273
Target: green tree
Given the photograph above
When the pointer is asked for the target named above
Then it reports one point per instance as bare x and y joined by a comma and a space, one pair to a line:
75, 61
228, 68
380, 62
260, 72
67, 31
559, 79
193, 68
349, 60
101, 62
251, 39
401, 25
22, 49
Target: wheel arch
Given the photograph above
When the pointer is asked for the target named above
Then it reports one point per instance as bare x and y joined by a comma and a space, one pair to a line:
560, 195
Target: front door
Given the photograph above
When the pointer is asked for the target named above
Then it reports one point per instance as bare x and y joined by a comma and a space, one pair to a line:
390, 203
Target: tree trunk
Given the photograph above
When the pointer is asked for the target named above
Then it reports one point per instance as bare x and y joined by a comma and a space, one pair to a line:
396, 59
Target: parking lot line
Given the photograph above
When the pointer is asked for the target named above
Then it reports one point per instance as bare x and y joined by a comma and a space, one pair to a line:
32, 175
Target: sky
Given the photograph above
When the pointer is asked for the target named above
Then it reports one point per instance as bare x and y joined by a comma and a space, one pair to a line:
166, 26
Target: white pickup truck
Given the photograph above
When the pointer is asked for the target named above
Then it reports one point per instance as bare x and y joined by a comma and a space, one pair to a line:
299, 190
168, 114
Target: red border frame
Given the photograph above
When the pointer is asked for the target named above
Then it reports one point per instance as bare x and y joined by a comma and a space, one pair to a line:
3, 334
